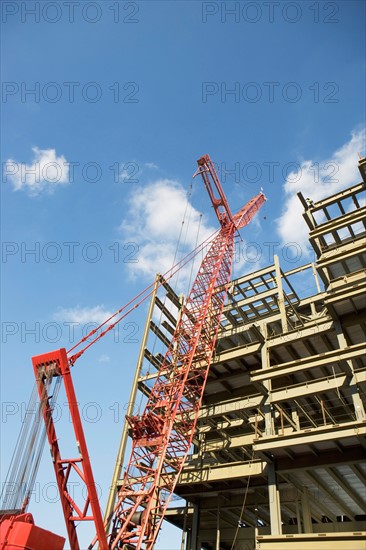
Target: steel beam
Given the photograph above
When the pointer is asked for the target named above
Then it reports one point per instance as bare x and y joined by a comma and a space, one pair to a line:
348, 455
309, 436
329, 357
341, 252
306, 511
338, 223
314, 541
313, 327
342, 195
274, 502
314, 386
232, 442
220, 472
131, 404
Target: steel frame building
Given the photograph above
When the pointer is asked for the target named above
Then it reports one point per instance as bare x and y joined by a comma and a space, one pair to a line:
279, 455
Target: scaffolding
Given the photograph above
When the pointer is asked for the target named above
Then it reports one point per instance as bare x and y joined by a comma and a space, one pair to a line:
278, 455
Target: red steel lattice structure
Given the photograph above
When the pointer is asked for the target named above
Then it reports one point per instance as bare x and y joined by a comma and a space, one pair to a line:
162, 436
46, 367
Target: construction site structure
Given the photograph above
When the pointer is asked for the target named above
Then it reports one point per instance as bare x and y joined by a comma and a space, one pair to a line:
278, 456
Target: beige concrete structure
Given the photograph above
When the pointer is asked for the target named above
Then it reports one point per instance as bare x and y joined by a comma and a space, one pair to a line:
279, 457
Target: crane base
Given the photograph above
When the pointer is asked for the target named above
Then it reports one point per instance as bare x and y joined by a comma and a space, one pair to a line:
18, 532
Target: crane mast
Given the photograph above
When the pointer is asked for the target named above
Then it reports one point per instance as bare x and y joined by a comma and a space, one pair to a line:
162, 435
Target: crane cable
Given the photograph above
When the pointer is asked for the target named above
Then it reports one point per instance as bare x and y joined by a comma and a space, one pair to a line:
189, 193
24, 465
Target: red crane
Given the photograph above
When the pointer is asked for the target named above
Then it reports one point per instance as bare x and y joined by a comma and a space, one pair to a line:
162, 435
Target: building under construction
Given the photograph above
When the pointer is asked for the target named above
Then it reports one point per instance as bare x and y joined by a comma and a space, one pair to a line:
252, 434
278, 459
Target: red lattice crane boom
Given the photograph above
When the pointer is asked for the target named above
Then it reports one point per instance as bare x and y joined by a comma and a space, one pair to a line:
162, 435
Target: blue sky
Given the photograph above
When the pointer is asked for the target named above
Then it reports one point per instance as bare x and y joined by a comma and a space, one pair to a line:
98, 160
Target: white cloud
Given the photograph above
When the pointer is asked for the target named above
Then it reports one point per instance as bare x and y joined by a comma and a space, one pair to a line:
82, 315
317, 180
45, 173
151, 165
154, 223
